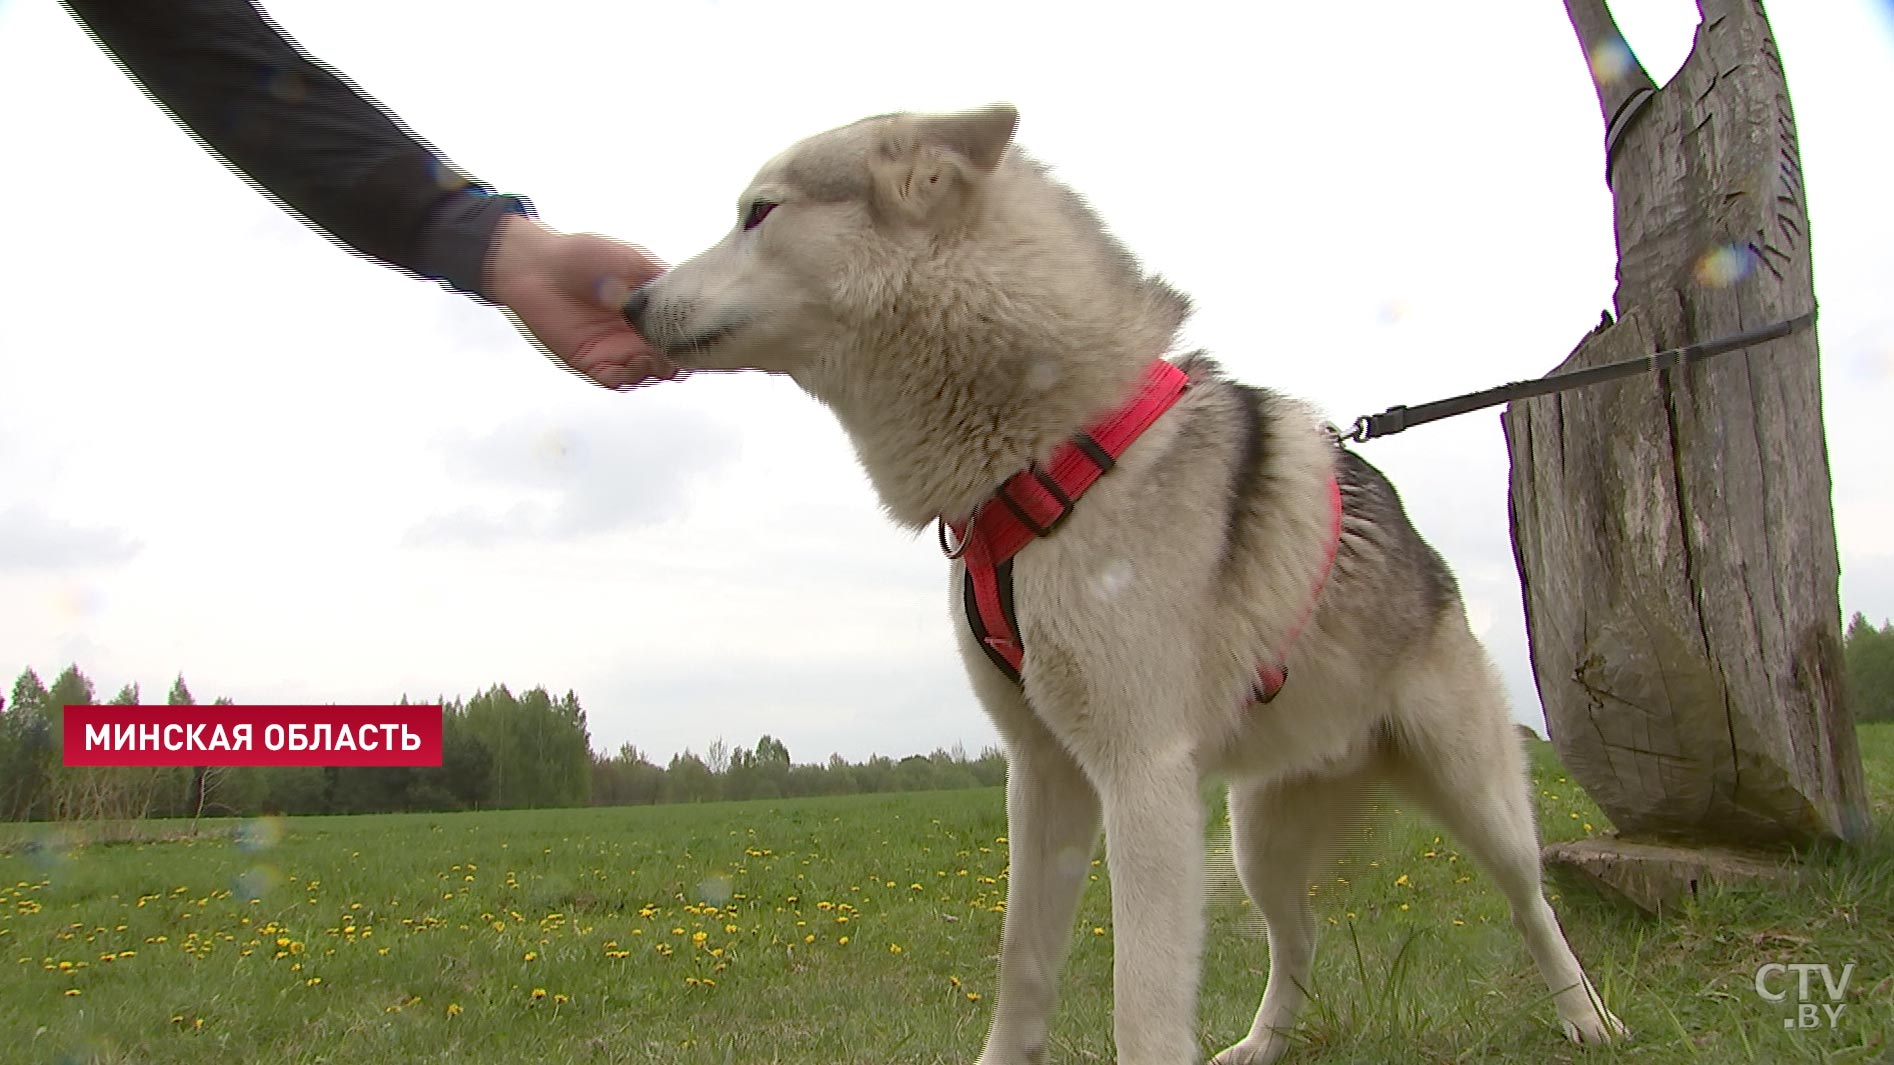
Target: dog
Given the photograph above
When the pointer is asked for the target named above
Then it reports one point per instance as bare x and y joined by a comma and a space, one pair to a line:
966, 316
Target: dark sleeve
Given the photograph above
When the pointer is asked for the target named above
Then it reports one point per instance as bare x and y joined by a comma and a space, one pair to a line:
302, 134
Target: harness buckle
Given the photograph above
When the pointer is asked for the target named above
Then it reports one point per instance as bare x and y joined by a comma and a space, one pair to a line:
1055, 490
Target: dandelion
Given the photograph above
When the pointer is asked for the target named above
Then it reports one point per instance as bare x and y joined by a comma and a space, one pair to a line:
72, 992
1400, 881
532, 955
560, 1000
1098, 930
894, 948
699, 937
843, 941
539, 993
453, 1009
973, 996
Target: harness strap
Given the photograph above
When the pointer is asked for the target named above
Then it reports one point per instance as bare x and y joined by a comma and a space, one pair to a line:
1033, 502
1274, 672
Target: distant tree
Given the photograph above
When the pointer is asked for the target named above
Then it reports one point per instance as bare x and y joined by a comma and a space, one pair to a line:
27, 751
689, 779
97, 793
1869, 653
200, 781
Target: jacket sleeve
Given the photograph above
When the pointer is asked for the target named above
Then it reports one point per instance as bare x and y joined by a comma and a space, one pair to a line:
302, 134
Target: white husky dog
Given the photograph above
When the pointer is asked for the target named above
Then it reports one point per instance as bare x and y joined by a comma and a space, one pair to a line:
969, 320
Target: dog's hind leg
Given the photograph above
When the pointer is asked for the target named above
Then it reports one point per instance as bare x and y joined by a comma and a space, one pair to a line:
1279, 832
1052, 820
1455, 753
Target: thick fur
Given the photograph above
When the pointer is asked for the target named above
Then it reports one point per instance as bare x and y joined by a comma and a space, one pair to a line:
962, 314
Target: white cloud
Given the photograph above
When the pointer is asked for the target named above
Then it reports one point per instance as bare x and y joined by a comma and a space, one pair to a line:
33, 541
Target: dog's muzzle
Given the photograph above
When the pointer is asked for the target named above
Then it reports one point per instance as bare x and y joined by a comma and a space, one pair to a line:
635, 306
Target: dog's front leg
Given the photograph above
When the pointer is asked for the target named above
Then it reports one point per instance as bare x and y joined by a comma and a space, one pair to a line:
1154, 847
1052, 828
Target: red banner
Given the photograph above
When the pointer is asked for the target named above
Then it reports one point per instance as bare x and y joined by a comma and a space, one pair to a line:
252, 735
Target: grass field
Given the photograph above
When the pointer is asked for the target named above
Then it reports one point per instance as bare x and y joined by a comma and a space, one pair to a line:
841, 931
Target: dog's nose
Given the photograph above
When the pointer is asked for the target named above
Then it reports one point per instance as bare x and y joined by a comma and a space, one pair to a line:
635, 306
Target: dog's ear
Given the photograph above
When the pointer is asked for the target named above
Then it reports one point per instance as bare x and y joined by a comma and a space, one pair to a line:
930, 164
979, 136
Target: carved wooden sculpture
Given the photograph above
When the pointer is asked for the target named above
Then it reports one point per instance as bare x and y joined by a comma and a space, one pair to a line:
1674, 532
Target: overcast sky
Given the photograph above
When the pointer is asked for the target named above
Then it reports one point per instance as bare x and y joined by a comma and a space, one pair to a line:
230, 449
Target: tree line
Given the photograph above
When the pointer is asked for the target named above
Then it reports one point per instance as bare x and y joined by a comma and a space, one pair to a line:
1870, 656
498, 751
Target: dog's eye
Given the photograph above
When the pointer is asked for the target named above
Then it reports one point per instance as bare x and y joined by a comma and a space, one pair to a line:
757, 212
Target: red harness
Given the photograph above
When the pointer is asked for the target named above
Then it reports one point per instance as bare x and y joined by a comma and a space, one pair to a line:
1034, 501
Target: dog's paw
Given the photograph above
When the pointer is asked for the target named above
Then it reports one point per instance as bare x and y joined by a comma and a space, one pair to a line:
1254, 1051
1595, 1028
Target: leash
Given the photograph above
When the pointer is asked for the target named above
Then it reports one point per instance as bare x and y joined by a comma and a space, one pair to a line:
1397, 419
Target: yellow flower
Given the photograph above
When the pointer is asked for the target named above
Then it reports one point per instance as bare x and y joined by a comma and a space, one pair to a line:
453, 1009
843, 941
539, 992
560, 999
730, 928
71, 991
894, 948
973, 996
532, 955
698, 937
1098, 931
1400, 881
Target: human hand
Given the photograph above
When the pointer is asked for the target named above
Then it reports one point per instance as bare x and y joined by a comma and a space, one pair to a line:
564, 290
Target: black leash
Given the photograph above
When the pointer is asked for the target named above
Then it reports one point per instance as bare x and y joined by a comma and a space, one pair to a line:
1396, 419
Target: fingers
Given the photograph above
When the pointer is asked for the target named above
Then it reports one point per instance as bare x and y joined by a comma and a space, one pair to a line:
568, 295
587, 262
620, 359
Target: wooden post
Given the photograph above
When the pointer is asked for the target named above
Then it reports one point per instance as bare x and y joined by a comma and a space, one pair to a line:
1674, 533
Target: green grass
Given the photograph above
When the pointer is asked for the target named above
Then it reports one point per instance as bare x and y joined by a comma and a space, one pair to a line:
425, 938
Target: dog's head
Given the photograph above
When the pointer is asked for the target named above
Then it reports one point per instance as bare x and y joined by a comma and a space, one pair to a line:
826, 236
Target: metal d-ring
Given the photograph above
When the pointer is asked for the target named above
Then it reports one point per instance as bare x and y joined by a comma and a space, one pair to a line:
955, 551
